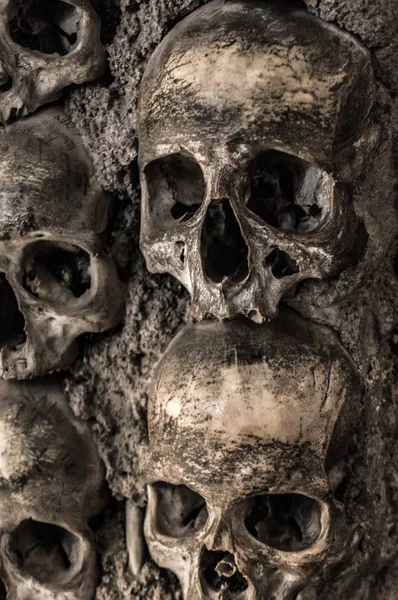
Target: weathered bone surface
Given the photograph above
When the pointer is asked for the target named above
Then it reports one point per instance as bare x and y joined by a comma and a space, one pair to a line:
249, 427
58, 282
51, 483
251, 136
45, 47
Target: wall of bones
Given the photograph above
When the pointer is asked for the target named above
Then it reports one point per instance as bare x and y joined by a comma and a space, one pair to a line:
198, 299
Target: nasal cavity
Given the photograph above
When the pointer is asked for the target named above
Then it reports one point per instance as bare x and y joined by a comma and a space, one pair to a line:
219, 572
12, 322
223, 249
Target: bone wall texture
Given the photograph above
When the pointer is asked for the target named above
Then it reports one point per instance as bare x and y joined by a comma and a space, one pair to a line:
108, 386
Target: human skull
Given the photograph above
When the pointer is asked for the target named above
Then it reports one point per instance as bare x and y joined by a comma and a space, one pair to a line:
254, 121
45, 47
51, 483
248, 430
53, 263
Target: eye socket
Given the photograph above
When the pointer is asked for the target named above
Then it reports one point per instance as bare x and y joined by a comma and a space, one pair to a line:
286, 522
5, 81
180, 512
288, 193
46, 27
176, 189
58, 274
48, 553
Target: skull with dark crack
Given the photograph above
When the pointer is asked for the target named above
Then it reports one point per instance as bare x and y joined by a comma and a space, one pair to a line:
255, 121
249, 427
56, 279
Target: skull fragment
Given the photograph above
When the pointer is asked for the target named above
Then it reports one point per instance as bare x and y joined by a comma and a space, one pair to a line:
248, 429
51, 483
57, 281
254, 121
45, 47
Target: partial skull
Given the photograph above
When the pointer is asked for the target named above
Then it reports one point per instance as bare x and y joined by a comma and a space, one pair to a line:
45, 47
51, 484
254, 121
249, 427
56, 280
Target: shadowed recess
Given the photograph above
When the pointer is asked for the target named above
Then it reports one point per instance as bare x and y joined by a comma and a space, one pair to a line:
47, 27
12, 322
281, 264
176, 189
180, 512
5, 80
288, 193
287, 522
56, 273
224, 251
47, 553
219, 571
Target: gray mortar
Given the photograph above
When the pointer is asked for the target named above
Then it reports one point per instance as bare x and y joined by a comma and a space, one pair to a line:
108, 386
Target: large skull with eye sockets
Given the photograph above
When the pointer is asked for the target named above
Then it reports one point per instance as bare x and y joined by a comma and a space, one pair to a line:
58, 282
45, 47
51, 484
254, 122
248, 430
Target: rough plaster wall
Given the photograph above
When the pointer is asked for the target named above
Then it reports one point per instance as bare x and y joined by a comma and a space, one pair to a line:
108, 386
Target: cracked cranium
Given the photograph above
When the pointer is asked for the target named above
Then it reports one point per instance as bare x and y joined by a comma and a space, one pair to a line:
248, 429
45, 47
254, 121
51, 484
56, 279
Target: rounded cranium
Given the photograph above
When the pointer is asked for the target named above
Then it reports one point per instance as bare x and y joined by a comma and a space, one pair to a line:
248, 430
251, 136
33, 76
52, 211
51, 483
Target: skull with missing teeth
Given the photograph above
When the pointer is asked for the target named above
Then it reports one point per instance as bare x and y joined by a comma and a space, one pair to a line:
51, 483
56, 280
248, 430
254, 119
45, 46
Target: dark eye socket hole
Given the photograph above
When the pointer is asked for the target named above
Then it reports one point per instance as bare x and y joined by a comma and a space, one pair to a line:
287, 193
286, 522
56, 273
180, 512
47, 553
12, 322
176, 188
47, 27
287, 184
5, 81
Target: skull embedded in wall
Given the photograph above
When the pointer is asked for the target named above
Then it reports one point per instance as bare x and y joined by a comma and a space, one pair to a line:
56, 280
248, 429
51, 484
254, 121
45, 47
